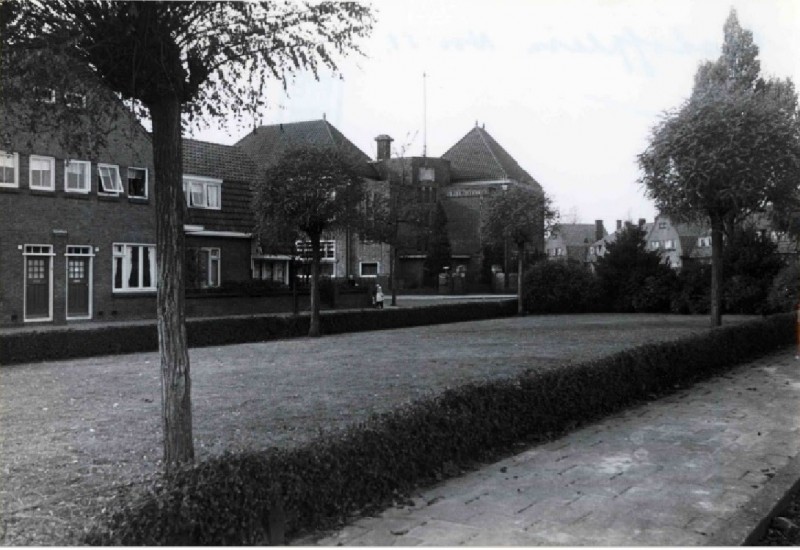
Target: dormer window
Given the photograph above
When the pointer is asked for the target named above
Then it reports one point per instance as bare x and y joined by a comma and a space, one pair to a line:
202, 192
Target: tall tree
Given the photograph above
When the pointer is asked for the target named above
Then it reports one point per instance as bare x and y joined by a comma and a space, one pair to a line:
731, 149
438, 251
519, 215
196, 60
312, 190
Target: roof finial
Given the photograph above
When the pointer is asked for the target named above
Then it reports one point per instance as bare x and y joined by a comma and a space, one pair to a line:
324, 117
476, 123
483, 126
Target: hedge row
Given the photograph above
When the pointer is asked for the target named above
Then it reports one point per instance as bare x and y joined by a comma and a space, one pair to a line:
245, 498
27, 347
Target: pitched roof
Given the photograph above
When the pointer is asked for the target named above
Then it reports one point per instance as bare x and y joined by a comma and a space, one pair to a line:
477, 156
577, 234
266, 144
226, 162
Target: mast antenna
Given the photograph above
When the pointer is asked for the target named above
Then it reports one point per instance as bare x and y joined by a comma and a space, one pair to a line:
424, 115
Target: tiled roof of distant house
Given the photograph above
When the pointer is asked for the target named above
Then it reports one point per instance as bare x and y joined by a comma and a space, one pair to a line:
477, 156
577, 234
612, 237
226, 162
266, 144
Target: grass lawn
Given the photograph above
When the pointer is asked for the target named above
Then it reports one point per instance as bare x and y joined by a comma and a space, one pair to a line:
72, 431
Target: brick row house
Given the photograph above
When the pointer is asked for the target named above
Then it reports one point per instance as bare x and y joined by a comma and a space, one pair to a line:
77, 232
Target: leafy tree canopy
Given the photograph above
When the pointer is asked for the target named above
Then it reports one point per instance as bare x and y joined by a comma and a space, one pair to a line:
312, 189
519, 214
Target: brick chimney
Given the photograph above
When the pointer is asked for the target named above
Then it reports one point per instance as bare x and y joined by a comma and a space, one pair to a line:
384, 147
599, 230
642, 221
619, 225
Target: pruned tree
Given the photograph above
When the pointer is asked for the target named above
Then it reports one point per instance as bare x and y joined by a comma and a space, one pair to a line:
731, 149
520, 215
175, 64
312, 190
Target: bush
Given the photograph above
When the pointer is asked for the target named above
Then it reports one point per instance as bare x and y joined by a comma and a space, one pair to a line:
692, 292
27, 347
228, 500
783, 295
560, 287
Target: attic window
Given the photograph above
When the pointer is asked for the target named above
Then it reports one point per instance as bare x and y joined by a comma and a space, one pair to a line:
75, 100
44, 95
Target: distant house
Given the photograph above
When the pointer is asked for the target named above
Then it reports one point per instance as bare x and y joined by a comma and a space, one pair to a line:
573, 241
678, 242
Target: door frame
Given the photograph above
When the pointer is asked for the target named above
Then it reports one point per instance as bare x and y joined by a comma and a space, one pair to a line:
39, 250
80, 251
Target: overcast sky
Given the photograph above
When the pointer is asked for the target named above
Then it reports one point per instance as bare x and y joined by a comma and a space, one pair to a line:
569, 88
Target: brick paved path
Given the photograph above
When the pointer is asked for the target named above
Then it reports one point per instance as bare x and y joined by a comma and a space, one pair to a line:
670, 472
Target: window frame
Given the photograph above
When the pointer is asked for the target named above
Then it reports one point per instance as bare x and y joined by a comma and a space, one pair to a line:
213, 254
146, 183
70, 96
87, 183
15, 165
101, 188
361, 270
52, 162
126, 261
204, 184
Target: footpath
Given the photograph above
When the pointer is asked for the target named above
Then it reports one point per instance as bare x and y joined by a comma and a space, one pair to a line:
702, 466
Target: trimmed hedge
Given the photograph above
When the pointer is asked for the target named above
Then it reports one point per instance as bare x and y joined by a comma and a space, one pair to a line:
48, 345
232, 499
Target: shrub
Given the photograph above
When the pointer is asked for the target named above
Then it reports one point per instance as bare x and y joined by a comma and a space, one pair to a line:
560, 287
783, 295
228, 500
692, 292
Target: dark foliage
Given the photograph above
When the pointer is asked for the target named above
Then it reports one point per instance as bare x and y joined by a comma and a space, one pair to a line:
750, 263
27, 347
632, 278
783, 295
229, 500
693, 290
560, 287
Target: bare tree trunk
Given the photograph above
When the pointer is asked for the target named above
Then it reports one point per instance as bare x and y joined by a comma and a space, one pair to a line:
520, 264
313, 326
176, 385
716, 272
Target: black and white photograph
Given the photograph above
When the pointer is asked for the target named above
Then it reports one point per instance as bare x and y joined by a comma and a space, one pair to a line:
400, 273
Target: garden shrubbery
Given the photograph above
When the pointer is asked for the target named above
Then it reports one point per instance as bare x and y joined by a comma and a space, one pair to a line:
561, 287
233, 499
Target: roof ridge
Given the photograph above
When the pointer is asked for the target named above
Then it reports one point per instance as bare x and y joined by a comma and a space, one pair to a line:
489, 147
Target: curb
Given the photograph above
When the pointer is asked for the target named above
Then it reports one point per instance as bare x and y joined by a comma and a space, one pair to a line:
748, 525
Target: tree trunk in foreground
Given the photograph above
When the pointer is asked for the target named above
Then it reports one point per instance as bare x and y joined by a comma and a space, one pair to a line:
716, 272
313, 324
176, 385
520, 264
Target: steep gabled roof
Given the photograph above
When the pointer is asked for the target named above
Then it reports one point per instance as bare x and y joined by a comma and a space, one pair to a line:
477, 156
577, 234
266, 144
226, 162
